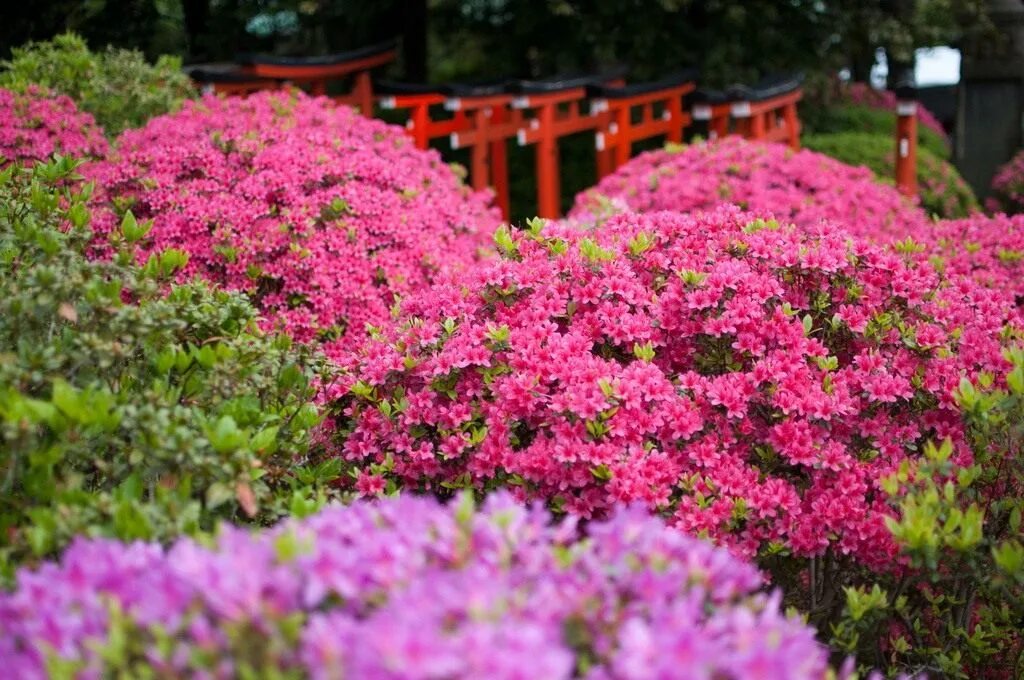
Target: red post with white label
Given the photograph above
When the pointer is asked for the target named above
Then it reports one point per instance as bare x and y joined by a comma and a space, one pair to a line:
906, 140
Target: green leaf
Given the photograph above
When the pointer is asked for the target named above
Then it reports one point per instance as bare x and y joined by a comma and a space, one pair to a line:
132, 230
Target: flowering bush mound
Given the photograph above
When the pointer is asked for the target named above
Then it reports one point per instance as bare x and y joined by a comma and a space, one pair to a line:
941, 189
989, 250
801, 187
751, 381
320, 214
34, 125
406, 588
1008, 187
117, 86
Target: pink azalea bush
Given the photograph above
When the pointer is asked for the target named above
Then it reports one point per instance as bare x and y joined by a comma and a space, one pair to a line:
1008, 187
862, 94
321, 215
752, 382
406, 588
803, 187
34, 125
988, 250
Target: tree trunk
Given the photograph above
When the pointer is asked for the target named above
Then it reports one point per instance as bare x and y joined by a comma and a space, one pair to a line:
414, 41
197, 15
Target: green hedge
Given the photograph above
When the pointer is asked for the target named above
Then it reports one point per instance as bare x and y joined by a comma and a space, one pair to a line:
128, 406
942, 190
118, 87
865, 120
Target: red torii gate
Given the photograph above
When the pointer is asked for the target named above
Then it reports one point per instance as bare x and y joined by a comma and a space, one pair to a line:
621, 103
767, 111
258, 71
418, 99
556, 107
492, 123
479, 118
483, 117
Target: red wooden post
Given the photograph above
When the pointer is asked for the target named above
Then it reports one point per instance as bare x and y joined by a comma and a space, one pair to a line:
677, 122
479, 153
548, 185
362, 93
490, 124
602, 149
548, 125
499, 162
906, 141
720, 121
744, 119
792, 122
624, 147
419, 118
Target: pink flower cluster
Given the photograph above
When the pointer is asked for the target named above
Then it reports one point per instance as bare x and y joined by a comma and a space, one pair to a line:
34, 125
988, 250
321, 215
405, 588
1008, 187
749, 380
862, 94
802, 187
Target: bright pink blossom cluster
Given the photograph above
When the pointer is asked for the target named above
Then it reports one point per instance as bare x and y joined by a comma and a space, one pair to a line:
405, 588
1008, 187
988, 250
862, 94
752, 381
34, 125
322, 215
802, 187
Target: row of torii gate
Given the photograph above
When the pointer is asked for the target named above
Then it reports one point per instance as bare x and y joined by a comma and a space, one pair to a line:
484, 117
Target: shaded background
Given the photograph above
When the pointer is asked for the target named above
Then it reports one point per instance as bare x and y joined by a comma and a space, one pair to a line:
444, 40
731, 40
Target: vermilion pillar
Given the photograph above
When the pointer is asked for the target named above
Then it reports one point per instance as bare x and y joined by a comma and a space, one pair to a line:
906, 141
491, 123
555, 104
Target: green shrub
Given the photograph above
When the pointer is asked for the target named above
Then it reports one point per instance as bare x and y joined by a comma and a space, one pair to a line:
958, 610
129, 407
941, 189
118, 87
866, 120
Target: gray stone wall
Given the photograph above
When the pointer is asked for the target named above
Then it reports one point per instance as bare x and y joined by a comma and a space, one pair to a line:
991, 97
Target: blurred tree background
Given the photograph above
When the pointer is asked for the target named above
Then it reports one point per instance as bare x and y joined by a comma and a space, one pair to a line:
730, 40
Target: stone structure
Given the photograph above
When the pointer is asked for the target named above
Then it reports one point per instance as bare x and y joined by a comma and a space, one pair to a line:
991, 98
